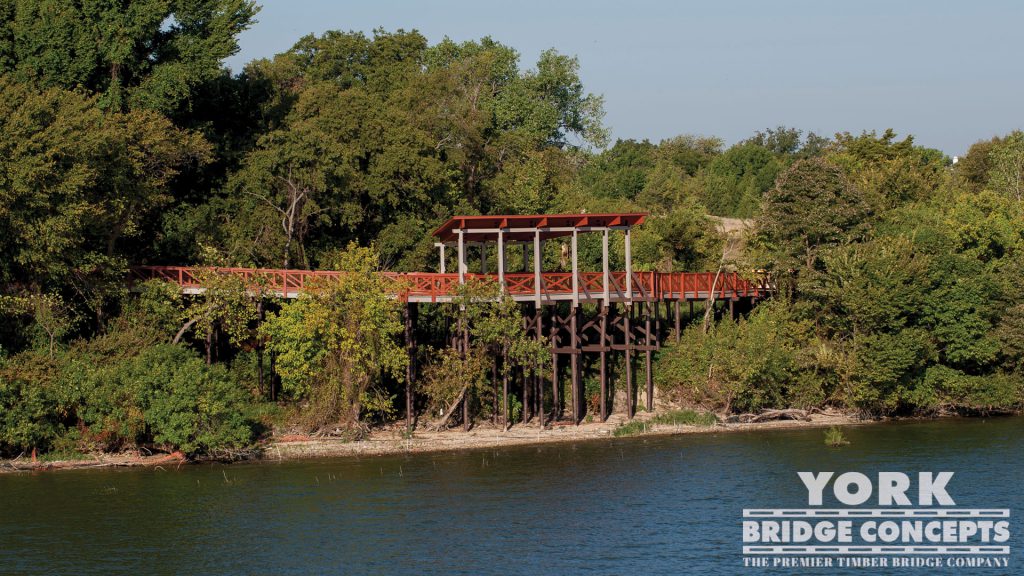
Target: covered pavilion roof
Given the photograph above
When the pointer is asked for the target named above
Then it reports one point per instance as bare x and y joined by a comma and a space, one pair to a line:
523, 226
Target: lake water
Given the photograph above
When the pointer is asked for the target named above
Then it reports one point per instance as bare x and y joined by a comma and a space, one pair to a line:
667, 505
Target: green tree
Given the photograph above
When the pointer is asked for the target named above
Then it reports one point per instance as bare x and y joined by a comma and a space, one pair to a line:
75, 181
1006, 175
149, 54
496, 335
811, 206
337, 343
736, 180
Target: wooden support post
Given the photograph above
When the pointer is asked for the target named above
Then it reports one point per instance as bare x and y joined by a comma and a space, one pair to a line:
648, 354
410, 369
528, 381
494, 384
574, 363
605, 311
273, 376
657, 324
504, 386
628, 333
465, 397
679, 324
555, 336
732, 308
539, 378
260, 317
441, 266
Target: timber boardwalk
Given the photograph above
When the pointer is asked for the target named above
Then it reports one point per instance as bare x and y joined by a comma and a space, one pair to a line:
629, 311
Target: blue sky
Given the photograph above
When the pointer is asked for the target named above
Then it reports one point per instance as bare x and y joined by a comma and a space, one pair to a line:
947, 72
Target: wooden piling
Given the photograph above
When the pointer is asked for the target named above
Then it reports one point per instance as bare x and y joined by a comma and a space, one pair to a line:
539, 379
627, 331
648, 353
465, 397
505, 368
555, 335
605, 311
527, 380
679, 324
574, 364
409, 315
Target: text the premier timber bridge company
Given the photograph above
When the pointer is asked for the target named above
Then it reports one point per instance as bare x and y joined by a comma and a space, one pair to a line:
935, 533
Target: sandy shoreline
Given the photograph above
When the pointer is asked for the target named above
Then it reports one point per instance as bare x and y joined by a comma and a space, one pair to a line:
391, 441
384, 442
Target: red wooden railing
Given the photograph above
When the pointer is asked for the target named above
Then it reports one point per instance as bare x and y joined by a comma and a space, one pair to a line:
428, 285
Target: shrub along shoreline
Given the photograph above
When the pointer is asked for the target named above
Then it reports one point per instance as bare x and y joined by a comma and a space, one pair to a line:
391, 440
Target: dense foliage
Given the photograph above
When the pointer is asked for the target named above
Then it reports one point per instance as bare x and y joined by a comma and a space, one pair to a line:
898, 284
124, 141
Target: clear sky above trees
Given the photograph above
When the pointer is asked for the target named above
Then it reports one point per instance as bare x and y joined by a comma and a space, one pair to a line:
732, 68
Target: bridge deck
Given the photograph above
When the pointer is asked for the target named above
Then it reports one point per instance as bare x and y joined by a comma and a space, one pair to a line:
433, 287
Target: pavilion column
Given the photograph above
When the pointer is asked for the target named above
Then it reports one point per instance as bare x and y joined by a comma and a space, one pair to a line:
629, 267
575, 272
501, 260
606, 273
462, 257
440, 249
536, 268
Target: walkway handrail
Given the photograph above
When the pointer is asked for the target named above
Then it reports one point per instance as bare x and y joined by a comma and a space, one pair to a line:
646, 286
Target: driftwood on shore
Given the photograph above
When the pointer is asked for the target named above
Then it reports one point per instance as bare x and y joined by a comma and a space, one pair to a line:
767, 415
451, 409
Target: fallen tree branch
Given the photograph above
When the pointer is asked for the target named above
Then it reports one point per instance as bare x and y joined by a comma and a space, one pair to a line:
767, 415
451, 409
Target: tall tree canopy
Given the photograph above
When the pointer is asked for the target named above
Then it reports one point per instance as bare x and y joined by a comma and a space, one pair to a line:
141, 54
